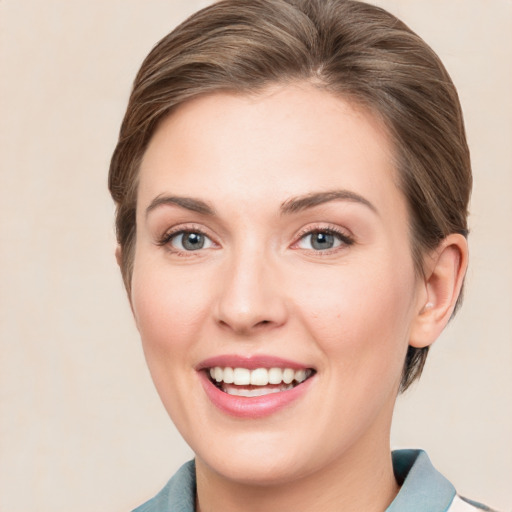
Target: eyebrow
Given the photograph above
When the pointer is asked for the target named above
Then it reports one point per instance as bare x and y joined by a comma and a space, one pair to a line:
300, 203
290, 206
188, 203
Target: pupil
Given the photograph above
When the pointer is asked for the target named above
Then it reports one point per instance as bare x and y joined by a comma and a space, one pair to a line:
322, 241
193, 241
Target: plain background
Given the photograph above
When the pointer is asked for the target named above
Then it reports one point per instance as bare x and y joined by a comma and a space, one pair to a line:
81, 427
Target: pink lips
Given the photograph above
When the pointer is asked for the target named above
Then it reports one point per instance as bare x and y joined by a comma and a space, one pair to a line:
252, 362
250, 407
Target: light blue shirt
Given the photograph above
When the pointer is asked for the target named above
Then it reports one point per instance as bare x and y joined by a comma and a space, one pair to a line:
423, 489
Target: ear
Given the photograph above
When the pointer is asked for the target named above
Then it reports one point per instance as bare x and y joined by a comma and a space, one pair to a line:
119, 255
445, 269
119, 259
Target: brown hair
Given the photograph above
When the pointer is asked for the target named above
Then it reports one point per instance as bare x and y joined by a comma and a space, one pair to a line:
347, 47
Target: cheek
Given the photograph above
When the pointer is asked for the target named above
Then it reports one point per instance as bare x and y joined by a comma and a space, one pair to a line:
169, 312
168, 308
360, 317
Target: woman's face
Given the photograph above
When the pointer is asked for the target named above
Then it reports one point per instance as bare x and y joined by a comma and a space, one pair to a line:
272, 244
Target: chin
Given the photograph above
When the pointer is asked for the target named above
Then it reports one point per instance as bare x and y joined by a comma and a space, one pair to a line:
257, 471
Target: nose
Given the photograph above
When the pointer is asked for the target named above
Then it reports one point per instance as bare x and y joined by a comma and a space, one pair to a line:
251, 297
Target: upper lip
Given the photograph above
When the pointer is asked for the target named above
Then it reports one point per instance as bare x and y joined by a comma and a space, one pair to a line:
250, 362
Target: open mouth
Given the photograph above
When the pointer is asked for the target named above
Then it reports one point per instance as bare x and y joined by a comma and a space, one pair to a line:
258, 382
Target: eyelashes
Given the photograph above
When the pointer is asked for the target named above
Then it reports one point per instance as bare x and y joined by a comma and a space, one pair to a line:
187, 240
326, 239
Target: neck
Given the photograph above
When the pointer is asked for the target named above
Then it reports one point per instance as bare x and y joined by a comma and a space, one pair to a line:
361, 480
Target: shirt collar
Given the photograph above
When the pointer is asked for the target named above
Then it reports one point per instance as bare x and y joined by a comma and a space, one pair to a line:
423, 489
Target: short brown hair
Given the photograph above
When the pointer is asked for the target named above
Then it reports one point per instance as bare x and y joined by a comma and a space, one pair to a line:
350, 48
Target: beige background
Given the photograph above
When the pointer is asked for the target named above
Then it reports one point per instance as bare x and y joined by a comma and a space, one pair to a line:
81, 428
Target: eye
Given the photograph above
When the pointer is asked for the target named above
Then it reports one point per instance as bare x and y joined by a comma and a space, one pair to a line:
323, 240
188, 241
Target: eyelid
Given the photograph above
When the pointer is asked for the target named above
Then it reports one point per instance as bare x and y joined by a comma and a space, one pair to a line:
344, 235
169, 234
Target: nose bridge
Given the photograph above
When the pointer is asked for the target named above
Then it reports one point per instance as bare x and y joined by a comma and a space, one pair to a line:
250, 296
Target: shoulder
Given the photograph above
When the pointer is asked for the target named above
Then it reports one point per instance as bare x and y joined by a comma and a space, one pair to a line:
178, 495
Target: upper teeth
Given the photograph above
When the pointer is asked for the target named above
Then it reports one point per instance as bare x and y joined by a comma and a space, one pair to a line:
259, 376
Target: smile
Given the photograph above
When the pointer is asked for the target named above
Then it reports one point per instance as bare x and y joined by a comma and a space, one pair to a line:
257, 382
256, 386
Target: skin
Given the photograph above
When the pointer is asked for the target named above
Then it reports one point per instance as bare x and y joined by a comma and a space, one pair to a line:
260, 287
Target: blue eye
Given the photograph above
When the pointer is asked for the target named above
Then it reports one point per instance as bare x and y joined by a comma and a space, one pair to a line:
323, 240
189, 241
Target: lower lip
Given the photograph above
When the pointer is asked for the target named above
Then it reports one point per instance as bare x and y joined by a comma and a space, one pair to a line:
252, 407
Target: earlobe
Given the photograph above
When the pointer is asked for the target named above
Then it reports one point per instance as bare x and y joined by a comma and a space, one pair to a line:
119, 259
444, 275
119, 255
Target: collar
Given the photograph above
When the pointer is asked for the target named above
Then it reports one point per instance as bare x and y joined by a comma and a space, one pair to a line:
423, 489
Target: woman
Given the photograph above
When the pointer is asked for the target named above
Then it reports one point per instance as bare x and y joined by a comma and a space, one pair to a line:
292, 181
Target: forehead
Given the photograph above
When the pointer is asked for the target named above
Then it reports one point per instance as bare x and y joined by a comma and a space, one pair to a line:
284, 141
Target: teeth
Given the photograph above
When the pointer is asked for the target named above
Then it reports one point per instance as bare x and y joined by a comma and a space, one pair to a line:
275, 376
288, 375
228, 376
257, 377
300, 376
233, 390
241, 376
